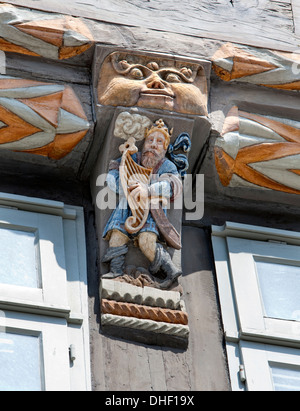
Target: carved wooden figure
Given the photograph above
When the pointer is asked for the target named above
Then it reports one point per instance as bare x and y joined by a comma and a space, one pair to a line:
146, 178
135, 298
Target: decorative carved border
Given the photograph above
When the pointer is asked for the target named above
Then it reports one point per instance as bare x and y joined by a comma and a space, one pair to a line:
144, 312
123, 292
143, 309
146, 325
263, 151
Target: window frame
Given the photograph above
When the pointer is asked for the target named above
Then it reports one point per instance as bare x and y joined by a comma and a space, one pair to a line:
252, 318
264, 354
54, 339
239, 327
53, 290
66, 305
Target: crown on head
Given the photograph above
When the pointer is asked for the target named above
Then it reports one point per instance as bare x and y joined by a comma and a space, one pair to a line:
160, 126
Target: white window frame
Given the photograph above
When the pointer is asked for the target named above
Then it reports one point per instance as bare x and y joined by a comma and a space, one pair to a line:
62, 302
53, 334
253, 321
49, 228
235, 247
263, 354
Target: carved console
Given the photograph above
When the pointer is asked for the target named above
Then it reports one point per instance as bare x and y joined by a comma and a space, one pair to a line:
46, 119
155, 110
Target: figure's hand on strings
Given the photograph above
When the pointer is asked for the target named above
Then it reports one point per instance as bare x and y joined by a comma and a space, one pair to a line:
138, 191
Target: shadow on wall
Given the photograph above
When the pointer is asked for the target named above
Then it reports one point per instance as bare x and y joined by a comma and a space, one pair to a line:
196, 254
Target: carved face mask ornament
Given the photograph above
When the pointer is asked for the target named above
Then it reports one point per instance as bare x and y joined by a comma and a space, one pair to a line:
143, 81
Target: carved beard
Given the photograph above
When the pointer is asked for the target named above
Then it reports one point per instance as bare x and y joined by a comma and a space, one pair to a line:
151, 162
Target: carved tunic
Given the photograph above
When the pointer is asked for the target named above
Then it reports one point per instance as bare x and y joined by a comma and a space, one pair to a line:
164, 182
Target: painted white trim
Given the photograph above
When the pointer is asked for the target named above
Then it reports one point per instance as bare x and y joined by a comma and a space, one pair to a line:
63, 234
54, 339
247, 293
257, 359
77, 286
247, 331
37, 205
230, 229
229, 314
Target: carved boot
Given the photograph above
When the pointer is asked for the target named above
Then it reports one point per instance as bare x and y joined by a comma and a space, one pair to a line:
116, 257
164, 262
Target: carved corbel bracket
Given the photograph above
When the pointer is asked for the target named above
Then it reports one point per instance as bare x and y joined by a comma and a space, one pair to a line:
134, 318
139, 95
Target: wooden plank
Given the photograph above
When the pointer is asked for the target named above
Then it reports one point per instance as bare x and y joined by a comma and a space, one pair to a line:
45, 71
296, 14
265, 23
116, 367
205, 332
157, 369
177, 369
138, 366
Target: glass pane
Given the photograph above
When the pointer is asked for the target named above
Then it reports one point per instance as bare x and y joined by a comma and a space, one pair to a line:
18, 256
280, 289
20, 368
285, 378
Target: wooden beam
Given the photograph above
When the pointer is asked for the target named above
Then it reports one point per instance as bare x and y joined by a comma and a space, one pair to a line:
262, 23
296, 14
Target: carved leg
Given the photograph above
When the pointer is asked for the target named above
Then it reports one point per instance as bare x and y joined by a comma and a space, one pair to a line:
164, 262
147, 243
115, 254
117, 238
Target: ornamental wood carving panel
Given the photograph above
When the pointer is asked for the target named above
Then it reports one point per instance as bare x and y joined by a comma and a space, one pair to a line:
259, 151
151, 81
141, 293
40, 118
164, 326
262, 67
35, 33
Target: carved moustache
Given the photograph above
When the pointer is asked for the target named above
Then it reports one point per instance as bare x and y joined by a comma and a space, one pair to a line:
150, 151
